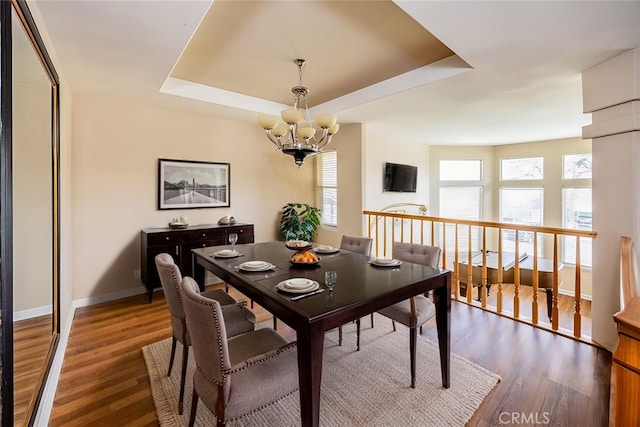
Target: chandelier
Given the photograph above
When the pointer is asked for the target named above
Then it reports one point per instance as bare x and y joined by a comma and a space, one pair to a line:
294, 134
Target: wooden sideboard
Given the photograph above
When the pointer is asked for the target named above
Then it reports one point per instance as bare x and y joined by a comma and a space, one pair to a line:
179, 242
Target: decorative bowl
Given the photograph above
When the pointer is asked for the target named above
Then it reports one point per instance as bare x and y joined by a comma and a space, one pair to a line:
298, 245
178, 225
304, 264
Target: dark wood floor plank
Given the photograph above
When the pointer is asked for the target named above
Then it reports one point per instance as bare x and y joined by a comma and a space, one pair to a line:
533, 363
104, 380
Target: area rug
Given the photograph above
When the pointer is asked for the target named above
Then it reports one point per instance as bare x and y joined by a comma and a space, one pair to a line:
370, 387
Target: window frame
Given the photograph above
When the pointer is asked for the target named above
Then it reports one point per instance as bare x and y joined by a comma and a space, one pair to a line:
449, 184
321, 186
575, 184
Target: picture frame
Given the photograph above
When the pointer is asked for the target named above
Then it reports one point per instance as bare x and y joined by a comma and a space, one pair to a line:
189, 184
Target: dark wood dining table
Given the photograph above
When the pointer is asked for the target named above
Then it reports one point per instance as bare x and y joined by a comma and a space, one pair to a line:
362, 288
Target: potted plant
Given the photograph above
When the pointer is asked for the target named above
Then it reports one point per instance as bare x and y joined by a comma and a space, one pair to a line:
299, 221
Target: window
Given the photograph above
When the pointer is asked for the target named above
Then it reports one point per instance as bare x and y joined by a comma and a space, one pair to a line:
576, 166
327, 179
460, 197
522, 169
460, 170
461, 203
577, 210
521, 206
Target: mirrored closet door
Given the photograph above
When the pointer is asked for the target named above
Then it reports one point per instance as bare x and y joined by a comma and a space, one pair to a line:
29, 222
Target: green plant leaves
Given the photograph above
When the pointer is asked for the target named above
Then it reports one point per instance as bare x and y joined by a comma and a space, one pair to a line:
299, 221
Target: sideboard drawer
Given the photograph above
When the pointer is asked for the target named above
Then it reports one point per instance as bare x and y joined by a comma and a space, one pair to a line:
245, 233
214, 234
168, 238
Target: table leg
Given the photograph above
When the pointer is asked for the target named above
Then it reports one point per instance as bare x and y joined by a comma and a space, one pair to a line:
310, 350
198, 272
549, 293
442, 299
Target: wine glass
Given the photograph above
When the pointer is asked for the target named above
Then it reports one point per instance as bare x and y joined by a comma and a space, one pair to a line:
233, 238
330, 279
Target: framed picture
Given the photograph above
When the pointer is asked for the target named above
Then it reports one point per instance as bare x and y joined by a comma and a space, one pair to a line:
185, 184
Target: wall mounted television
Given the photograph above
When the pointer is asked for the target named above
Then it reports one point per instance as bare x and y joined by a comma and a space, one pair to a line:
400, 178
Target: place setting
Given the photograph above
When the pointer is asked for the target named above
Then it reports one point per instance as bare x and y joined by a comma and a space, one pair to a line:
227, 253
325, 249
385, 262
255, 266
299, 287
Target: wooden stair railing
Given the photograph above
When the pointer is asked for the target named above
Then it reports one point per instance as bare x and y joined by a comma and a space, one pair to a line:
536, 272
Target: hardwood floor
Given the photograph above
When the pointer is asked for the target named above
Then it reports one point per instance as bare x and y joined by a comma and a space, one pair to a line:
565, 308
546, 379
32, 339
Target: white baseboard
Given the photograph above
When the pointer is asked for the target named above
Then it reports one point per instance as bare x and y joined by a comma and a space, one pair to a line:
93, 300
49, 392
572, 294
32, 312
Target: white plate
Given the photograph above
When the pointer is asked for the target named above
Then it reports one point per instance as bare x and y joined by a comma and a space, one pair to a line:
314, 285
383, 262
227, 253
326, 249
256, 266
298, 283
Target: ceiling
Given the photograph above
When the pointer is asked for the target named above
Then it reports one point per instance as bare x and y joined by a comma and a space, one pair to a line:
439, 73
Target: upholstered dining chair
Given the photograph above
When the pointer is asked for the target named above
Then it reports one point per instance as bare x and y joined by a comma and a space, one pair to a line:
361, 245
415, 311
240, 375
238, 318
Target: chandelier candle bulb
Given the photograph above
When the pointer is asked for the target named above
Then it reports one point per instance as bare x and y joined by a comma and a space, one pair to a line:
326, 120
292, 116
280, 130
268, 122
305, 130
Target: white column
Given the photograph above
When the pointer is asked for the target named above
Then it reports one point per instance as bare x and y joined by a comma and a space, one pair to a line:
611, 92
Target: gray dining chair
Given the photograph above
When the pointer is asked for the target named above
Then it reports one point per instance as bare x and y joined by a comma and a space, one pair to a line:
361, 245
238, 318
417, 310
239, 375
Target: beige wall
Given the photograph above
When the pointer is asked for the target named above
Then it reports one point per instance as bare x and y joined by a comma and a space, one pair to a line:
32, 179
116, 146
378, 151
361, 158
